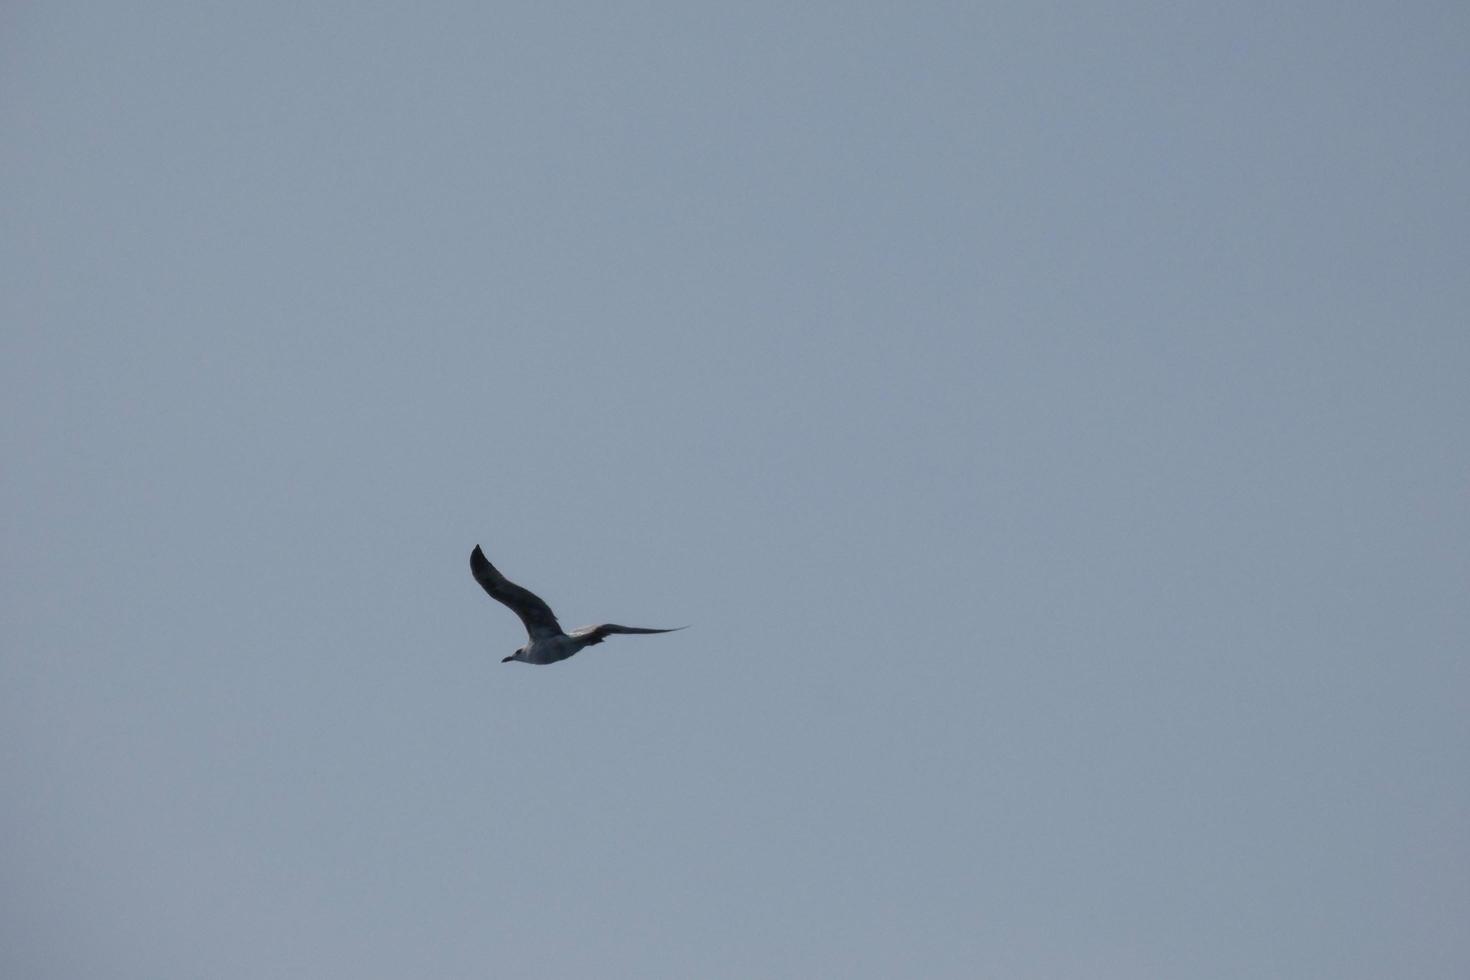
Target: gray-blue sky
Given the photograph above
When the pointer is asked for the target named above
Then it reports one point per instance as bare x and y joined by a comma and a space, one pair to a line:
1051, 418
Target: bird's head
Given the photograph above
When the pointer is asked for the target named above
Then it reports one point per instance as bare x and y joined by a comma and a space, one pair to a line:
514, 656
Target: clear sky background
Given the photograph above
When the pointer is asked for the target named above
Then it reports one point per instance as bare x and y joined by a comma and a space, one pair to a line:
1052, 419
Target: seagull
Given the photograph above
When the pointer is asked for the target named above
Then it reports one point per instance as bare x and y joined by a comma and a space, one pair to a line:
548, 643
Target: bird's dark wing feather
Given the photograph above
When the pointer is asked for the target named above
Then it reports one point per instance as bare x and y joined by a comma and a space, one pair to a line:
596, 634
534, 612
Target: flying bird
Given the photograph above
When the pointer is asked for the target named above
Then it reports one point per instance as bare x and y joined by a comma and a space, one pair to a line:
548, 643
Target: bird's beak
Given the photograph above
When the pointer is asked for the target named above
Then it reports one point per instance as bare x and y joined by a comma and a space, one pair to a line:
506, 660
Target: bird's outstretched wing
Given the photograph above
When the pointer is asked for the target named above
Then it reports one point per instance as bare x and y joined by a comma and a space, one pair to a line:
596, 634
534, 612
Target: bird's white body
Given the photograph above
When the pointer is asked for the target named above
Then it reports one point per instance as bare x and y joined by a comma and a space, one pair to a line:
549, 649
